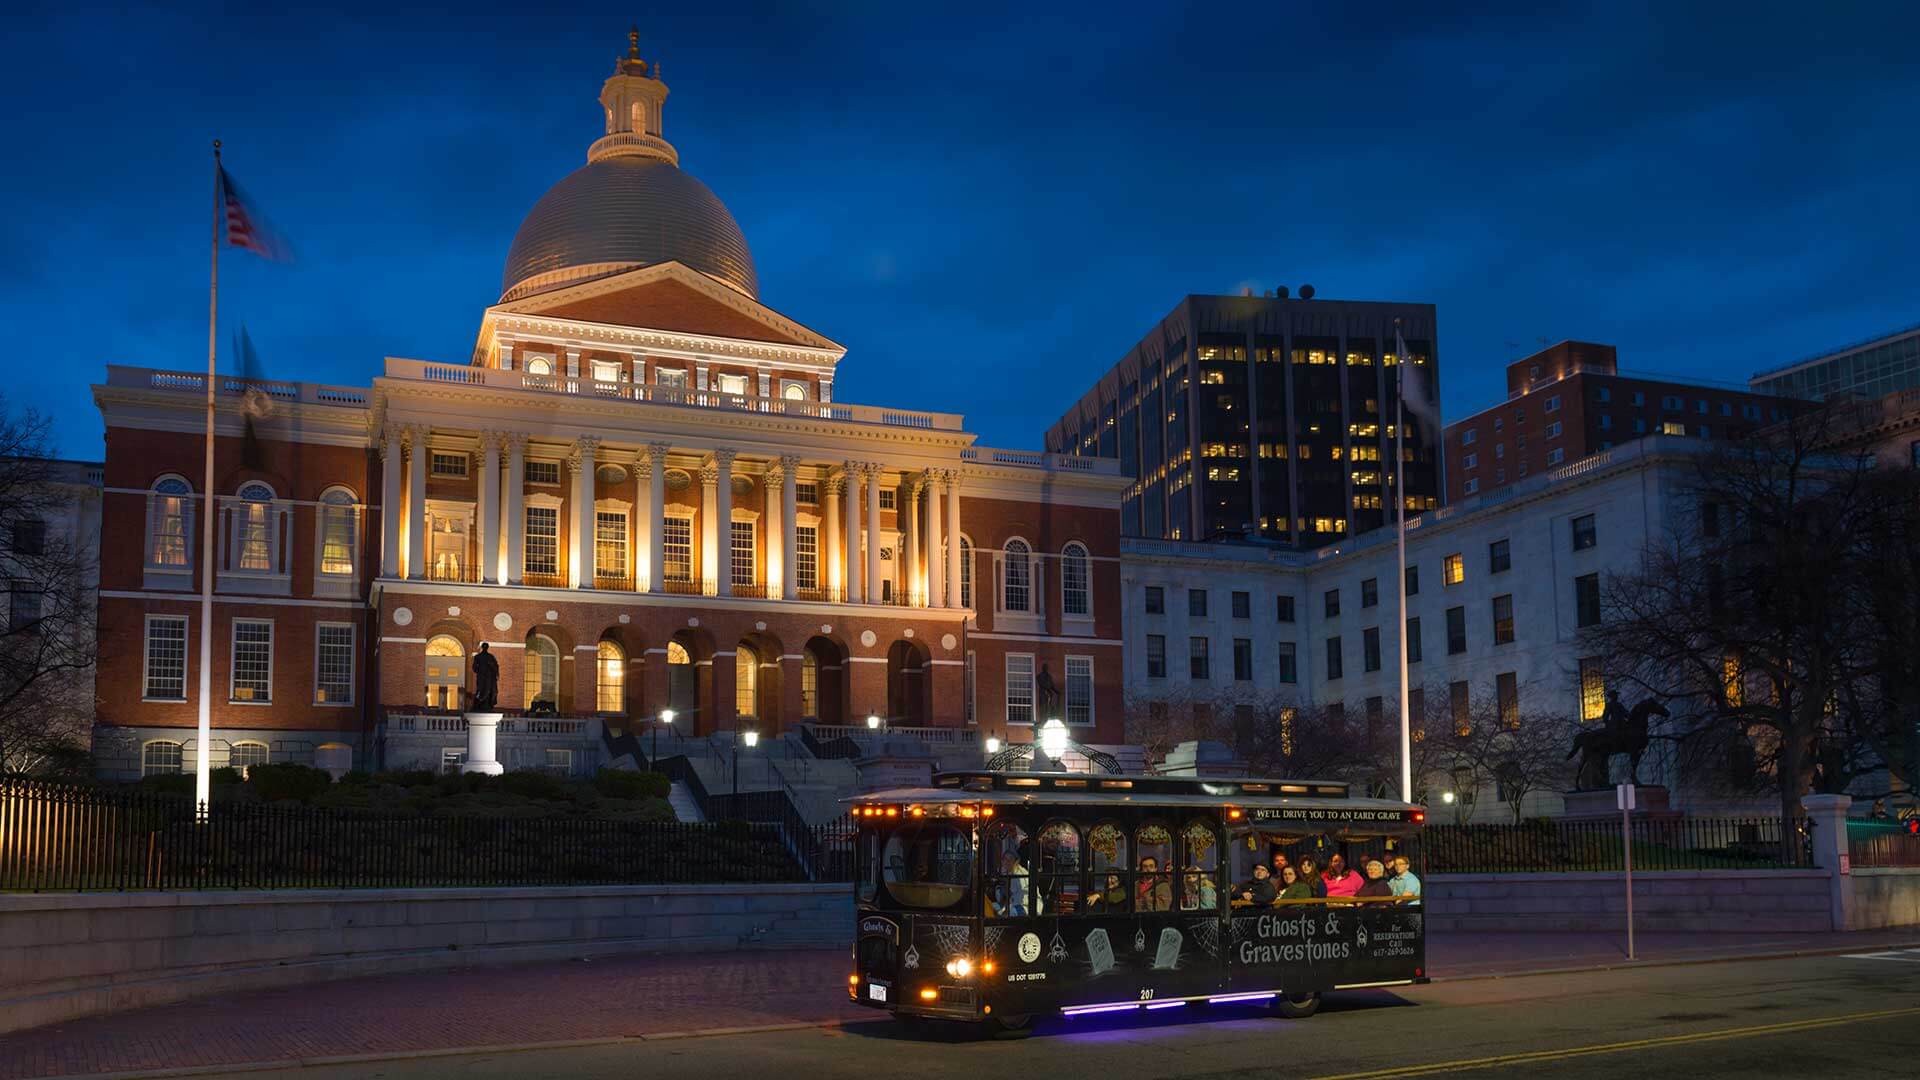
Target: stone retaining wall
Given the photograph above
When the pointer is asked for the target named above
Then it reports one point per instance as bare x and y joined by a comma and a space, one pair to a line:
64, 955
1759, 901
1883, 896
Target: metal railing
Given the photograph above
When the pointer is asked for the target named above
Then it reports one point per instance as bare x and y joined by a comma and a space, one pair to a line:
612, 582
63, 837
544, 581
1680, 843
1877, 842
464, 575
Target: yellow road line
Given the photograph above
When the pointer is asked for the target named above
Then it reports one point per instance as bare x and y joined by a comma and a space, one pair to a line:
1465, 1064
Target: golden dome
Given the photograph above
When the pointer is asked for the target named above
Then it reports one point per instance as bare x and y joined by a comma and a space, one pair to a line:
623, 212
630, 205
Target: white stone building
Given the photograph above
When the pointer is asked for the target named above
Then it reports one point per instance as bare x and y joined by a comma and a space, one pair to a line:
1501, 585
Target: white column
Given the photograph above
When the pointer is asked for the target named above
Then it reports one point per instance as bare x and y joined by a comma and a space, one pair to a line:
936, 553
873, 532
642, 522
910, 543
417, 503
850, 553
788, 513
709, 536
391, 509
832, 568
723, 520
775, 573
583, 482
489, 508
656, 515
512, 516
953, 538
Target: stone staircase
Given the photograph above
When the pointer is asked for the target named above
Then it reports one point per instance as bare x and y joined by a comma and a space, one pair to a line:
684, 807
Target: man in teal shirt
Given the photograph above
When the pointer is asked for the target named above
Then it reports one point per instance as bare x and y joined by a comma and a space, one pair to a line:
1403, 882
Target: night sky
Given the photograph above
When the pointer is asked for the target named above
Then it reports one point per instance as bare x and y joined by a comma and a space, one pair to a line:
986, 207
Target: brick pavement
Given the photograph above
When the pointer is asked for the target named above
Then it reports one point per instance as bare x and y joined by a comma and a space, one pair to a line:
654, 994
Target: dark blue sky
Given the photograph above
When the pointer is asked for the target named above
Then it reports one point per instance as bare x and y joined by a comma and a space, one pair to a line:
987, 207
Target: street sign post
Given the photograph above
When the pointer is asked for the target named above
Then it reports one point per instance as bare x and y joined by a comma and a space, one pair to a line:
1623, 795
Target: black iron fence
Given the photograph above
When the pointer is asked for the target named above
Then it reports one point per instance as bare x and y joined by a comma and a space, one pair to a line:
1876, 842
57, 837
1680, 843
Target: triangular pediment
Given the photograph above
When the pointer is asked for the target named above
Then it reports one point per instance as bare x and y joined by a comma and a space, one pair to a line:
670, 297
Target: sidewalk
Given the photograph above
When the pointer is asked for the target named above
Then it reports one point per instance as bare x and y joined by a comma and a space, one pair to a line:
662, 995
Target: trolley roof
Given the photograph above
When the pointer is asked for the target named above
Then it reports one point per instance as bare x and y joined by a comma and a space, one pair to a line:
1259, 798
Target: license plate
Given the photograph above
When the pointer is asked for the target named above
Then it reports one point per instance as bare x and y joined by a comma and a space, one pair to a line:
876, 992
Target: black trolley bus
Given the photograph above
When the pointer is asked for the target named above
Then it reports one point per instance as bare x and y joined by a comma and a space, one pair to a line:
1000, 897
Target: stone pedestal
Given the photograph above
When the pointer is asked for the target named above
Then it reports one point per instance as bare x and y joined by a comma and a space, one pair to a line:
483, 740
884, 772
1203, 757
1827, 822
1650, 801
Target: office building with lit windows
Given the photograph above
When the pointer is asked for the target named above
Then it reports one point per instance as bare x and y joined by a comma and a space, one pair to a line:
1268, 417
1871, 369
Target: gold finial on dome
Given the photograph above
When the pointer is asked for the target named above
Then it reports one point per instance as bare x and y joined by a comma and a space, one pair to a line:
631, 63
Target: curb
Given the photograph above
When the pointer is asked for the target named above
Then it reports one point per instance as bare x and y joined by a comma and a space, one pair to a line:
805, 1025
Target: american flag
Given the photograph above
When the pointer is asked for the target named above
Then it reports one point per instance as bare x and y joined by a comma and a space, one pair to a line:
246, 228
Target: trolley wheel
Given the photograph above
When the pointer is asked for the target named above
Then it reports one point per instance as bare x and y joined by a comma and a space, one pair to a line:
1297, 1008
1017, 1026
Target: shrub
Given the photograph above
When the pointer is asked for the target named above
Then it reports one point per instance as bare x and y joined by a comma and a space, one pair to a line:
535, 785
625, 784
224, 775
302, 783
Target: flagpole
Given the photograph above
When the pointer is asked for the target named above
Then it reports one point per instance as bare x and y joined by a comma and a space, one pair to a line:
203, 760
1400, 502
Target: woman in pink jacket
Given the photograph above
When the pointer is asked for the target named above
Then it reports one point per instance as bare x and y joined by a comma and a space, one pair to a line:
1340, 878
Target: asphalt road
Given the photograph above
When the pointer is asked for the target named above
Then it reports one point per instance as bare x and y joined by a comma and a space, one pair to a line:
1830, 1017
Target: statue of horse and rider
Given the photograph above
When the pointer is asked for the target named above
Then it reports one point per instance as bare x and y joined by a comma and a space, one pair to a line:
1620, 732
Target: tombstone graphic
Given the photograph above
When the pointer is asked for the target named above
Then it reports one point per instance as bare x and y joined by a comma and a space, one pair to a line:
1099, 951
1167, 956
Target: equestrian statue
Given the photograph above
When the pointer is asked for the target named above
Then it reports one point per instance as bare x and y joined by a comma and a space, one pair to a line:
1620, 732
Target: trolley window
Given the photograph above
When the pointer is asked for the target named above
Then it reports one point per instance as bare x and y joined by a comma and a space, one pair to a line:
927, 865
1009, 882
1056, 878
1153, 884
1200, 884
1107, 855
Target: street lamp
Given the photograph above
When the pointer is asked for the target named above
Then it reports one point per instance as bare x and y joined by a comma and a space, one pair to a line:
993, 745
1053, 739
873, 722
752, 739
1447, 797
666, 720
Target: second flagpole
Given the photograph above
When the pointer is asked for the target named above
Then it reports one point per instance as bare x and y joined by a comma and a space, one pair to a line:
1400, 501
203, 756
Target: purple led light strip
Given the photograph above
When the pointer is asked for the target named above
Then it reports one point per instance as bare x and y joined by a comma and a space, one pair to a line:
1083, 1010
1164, 1005
1225, 999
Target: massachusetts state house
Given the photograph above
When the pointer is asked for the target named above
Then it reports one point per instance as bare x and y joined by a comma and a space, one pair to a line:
640, 491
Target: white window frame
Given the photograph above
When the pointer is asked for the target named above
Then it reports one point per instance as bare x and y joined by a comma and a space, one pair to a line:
547, 503
146, 663
233, 661
1066, 691
806, 556
352, 664
751, 519
150, 744
966, 572
602, 667
1032, 705
733, 384
458, 465
1076, 552
684, 517
469, 553
266, 755
624, 511
170, 575
334, 583
239, 508
1031, 618
526, 472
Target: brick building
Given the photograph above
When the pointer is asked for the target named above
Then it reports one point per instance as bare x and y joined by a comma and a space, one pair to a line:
639, 492
1243, 416
1569, 401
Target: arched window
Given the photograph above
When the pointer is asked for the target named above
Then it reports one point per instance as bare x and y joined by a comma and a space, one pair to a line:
1153, 880
543, 671
1016, 577
746, 679
966, 572
794, 392
639, 118
1112, 874
1200, 884
1056, 870
169, 518
1009, 881
1074, 579
539, 365
446, 671
611, 678
246, 755
160, 758
677, 653
253, 529
809, 685
339, 510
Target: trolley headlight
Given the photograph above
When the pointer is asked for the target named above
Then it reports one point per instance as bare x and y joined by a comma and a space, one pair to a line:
960, 967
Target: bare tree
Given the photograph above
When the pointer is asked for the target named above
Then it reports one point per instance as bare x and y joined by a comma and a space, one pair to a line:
1754, 619
1516, 755
47, 638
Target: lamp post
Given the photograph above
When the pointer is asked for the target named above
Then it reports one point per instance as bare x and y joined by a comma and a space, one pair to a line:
873, 722
666, 720
993, 745
1053, 740
752, 739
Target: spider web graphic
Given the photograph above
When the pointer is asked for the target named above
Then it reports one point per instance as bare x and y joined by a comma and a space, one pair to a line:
1207, 933
950, 940
995, 934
